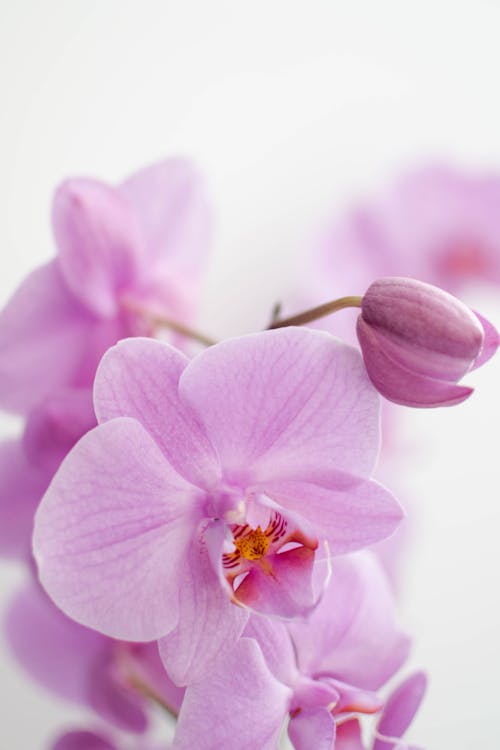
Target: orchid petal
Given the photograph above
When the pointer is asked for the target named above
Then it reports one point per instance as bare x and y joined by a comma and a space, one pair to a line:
356, 638
238, 702
98, 240
312, 728
82, 740
353, 699
280, 584
399, 384
490, 344
276, 645
138, 378
73, 662
348, 736
111, 532
54, 650
174, 214
282, 403
55, 425
349, 512
21, 490
44, 333
209, 623
400, 709
115, 700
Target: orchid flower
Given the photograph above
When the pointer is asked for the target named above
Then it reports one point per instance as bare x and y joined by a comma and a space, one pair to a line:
224, 480
320, 673
436, 224
85, 667
125, 255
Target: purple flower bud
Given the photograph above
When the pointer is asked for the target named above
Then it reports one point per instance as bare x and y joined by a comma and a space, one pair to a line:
419, 341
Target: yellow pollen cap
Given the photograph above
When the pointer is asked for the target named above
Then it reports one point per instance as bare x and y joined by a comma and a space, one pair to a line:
253, 545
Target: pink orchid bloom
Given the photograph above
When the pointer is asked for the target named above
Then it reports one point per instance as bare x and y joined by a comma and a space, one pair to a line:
417, 341
121, 250
27, 465
436, 224
320, 672
253, 458
83, 666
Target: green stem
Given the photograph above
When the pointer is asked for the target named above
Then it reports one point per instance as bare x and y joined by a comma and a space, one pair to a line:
317, 312
147, 691
175, 325
163, 321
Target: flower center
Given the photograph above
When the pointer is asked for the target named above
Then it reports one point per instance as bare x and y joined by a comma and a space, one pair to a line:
253, 545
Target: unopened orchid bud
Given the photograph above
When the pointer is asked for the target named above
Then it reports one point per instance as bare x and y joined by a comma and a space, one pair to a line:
419, 341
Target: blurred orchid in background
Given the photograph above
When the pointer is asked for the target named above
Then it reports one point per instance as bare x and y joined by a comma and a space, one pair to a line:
125, 256
115, 679
436, 224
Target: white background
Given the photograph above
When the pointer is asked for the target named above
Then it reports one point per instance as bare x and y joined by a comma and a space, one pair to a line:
292, 108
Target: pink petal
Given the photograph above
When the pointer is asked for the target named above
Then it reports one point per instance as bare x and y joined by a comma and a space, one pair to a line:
139, 378
44, 333
98, 239
111, 532
312, 693
349, 736
490, 344
276, 645
82, 740
55, 651
312, 728
55, 425
400, 709
282, 403
349, 512
399, 384
280, 584
174, 214
353, 633
73, 662
21, 490
209, 623
353, 699
114, 699
239, 704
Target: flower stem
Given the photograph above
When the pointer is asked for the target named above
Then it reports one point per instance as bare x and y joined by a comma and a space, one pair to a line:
317, 312
178, 327
148, 692
164, 321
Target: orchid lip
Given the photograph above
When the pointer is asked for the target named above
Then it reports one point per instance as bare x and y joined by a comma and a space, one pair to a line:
258, 548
